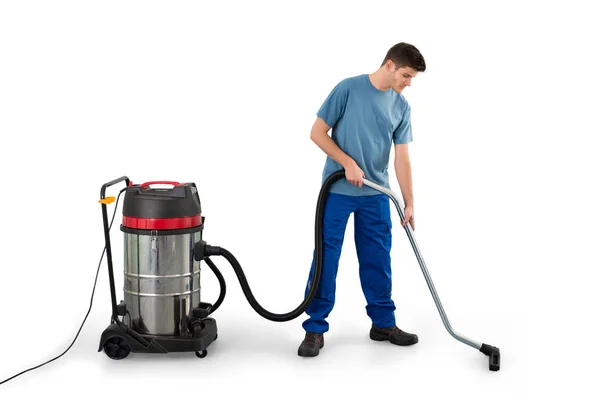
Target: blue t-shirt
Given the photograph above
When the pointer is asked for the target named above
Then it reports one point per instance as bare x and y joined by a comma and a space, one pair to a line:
365, 122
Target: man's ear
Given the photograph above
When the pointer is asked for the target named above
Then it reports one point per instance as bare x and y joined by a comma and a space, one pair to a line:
390, 66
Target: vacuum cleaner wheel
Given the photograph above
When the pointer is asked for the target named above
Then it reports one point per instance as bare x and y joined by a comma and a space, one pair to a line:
116, 348
201, 354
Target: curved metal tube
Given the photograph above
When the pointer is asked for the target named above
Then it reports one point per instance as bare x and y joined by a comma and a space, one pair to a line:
399, 207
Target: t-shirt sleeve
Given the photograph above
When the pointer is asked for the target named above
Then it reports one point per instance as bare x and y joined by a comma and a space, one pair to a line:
403, 133
334, 105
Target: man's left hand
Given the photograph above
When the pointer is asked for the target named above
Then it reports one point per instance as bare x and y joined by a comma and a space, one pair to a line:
409, 216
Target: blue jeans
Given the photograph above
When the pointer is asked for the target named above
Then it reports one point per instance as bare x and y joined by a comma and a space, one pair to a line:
373, 240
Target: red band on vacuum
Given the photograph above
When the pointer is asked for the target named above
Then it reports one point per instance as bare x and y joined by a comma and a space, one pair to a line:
162, 223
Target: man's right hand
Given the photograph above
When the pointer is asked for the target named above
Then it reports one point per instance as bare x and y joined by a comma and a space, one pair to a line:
354, 174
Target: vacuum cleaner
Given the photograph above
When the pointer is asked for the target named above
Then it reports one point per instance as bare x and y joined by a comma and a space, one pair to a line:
162, 310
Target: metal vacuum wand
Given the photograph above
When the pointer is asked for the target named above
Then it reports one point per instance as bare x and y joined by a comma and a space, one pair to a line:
491, 351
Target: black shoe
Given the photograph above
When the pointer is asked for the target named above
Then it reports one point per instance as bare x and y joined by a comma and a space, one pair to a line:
394, 335
311, 344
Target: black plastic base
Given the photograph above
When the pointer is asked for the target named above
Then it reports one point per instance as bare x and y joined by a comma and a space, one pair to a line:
118, 340
494, 354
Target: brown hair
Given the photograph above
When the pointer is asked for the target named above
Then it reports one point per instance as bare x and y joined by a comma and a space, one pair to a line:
405, 55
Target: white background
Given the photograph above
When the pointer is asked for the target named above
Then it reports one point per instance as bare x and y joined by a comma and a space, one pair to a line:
224, 94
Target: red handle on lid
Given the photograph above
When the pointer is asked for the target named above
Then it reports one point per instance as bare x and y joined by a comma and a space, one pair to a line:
146, 184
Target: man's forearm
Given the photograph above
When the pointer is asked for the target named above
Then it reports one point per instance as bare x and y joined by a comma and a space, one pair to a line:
404, 176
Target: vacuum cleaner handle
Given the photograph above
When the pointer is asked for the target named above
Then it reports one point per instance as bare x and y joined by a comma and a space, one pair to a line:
146, 184
113, 182
104, 201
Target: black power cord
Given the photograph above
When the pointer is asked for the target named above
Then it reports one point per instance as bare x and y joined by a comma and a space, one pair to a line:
88, 312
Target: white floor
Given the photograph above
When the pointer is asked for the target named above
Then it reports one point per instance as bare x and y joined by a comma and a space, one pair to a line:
258, 359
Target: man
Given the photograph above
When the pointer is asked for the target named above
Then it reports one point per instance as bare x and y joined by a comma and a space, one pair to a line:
367, 114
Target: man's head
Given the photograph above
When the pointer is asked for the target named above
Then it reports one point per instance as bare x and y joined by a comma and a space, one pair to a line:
402, 63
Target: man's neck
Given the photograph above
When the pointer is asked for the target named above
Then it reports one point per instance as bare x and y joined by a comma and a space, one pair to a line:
378, 80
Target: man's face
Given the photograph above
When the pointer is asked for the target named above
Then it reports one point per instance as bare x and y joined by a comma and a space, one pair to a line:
401, 77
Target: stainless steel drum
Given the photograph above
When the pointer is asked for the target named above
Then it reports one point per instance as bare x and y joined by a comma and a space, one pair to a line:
161, 282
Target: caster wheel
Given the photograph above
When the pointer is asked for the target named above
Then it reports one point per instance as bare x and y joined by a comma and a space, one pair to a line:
116, 348
201, 354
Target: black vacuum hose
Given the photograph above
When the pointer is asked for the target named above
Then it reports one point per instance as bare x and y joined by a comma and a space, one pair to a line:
203, 251
222, 284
